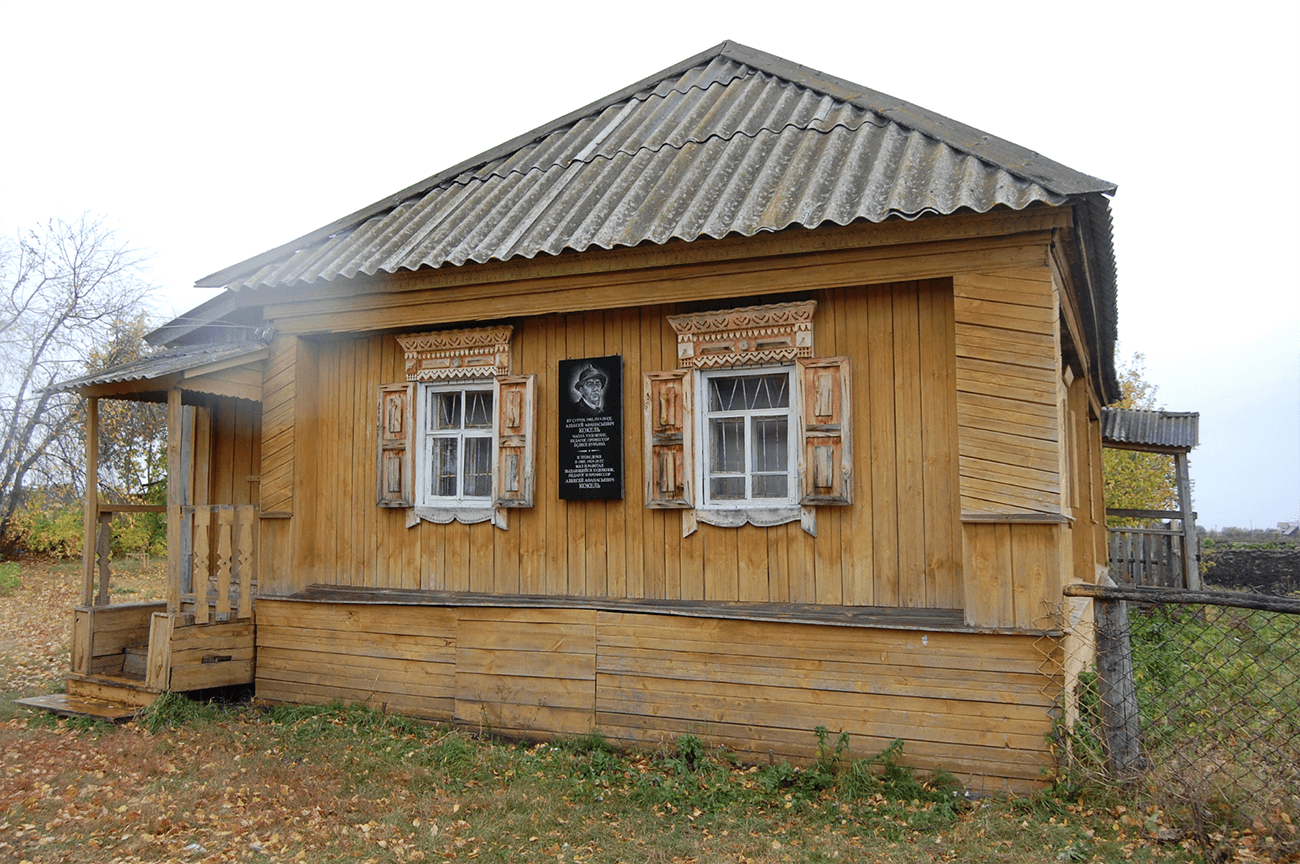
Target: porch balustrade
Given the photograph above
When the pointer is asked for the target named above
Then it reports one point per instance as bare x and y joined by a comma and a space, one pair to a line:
1150, 557
218, 561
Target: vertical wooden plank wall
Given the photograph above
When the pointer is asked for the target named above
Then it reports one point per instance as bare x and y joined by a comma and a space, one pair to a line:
896, 545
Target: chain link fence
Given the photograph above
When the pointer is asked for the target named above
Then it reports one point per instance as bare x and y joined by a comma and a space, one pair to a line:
1190, 703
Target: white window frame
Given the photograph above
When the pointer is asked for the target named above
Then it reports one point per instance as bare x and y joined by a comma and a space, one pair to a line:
426, 436
705, 456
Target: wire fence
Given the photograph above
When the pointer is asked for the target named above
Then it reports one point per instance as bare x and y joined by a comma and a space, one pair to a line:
1190, 702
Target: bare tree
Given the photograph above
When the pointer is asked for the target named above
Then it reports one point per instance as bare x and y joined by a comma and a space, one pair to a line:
62, 287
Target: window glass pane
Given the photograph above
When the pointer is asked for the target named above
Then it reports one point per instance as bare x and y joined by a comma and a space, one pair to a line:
478, 409
770, 485
727, 488
749, 392
727, 445
478, 467
443, 479
771, 443
446, 410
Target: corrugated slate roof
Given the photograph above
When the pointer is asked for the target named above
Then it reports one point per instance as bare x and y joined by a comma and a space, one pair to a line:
163, 363
731, 142
1174, 430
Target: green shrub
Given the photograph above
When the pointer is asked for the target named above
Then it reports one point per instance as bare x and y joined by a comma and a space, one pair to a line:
45, 525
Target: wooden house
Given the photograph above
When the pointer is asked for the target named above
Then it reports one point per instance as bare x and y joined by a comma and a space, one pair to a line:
846, 361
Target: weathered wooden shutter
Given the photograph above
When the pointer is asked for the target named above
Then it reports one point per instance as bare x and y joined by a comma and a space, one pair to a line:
825, 457
396, 437
513, 440
669, 439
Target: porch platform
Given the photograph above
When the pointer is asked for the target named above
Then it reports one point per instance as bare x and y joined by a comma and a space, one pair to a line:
875, 617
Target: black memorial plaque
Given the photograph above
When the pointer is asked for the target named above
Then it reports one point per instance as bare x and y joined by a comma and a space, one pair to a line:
591, 428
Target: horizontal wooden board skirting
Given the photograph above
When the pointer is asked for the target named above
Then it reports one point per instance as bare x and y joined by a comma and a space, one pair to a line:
882, 617
978, 704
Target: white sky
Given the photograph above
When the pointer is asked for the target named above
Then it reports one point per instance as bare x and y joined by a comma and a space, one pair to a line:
210, 132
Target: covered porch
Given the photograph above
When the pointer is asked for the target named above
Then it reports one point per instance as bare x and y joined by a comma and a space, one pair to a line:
1151, 555
125, 655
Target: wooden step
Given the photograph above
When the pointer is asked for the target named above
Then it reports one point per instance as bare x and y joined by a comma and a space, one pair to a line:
135, 661
67, 705
111, 688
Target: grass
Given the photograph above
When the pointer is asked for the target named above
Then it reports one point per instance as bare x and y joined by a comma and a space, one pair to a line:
1218, 690
10, 579
347, 784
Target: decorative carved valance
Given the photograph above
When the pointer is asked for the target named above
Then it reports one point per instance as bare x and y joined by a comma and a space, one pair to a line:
457, 353
750, 336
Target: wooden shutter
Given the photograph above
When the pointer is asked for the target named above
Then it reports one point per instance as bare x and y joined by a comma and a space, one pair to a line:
396, 437
513, 440
825, 457
669, 439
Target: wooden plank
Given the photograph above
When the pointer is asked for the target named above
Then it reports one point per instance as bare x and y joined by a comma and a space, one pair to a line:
174, 418
751, 549
557, 522
383, 618
987, 568
273, 690
721, 571
884, 479
481, 564
525, 572
939, 440
329, 519
158, 663
653, 522
632, 519
857, 539
733, 279
909, 457
373, 645
90, 516
1035, 574
225, 548
918, 681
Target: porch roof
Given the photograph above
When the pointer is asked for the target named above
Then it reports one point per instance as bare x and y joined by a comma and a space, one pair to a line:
149, 378
1163, 431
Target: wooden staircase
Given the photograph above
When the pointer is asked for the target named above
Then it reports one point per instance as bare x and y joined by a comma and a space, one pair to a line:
111, 698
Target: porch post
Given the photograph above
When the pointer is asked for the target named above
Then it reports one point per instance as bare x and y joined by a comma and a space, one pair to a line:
90, 521
174, 481
1191, 572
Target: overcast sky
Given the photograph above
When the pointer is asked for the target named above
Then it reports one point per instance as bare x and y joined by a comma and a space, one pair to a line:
210, 132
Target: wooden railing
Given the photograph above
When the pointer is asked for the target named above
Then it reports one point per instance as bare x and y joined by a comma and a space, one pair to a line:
219, 561
98, 554
1149, 557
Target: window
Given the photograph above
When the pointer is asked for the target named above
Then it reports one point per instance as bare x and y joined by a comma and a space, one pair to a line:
751, 427
456, 437
748, 456
455, 467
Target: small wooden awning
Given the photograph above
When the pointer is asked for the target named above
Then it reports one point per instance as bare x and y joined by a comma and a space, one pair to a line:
228, 369
1172, 433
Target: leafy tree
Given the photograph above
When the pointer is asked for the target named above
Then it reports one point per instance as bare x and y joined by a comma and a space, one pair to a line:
1134, 480
63, 286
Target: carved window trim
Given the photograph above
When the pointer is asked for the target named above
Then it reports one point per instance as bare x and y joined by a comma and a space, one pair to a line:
449, 358
776, 333
446, 355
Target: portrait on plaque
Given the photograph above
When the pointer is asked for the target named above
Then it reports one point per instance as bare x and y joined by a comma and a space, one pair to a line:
591, 428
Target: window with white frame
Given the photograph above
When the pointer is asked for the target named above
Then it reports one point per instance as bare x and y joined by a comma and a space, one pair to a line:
455, 464
751, 426
455, 439
748, 457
